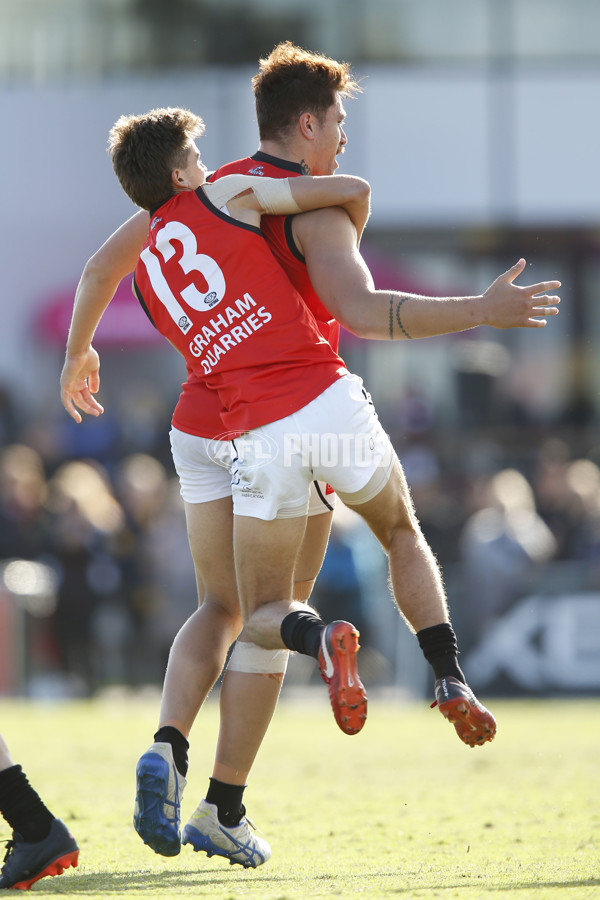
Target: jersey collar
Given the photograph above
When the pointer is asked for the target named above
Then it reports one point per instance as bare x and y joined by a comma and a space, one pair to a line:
259, 156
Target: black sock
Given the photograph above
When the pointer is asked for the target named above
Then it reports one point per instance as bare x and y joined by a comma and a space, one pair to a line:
22, 807
440, 649
228, 800
301, 631
169, 735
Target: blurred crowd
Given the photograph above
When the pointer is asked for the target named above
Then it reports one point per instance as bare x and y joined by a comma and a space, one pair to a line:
98, 511
93, 547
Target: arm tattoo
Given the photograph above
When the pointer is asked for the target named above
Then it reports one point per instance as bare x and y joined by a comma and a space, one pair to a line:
398, 318
305, 167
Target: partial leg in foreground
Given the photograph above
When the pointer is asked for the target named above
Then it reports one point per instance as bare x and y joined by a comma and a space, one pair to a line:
26, 862
41, 845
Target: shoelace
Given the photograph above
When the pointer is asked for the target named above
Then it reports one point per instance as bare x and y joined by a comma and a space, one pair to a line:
249, 821
9, 848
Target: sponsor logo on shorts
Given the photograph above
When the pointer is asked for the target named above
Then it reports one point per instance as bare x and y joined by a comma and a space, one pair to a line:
250, 494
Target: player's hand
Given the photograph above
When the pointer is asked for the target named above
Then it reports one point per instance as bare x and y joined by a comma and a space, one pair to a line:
508, 305
79, 381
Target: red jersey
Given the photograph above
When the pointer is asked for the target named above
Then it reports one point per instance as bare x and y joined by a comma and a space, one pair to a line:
278, 232
212, 287
198, 409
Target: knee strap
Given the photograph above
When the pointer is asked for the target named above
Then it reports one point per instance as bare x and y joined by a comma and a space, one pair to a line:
249, 657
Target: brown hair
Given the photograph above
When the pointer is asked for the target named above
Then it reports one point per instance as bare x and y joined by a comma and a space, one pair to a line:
145, 149
291, 81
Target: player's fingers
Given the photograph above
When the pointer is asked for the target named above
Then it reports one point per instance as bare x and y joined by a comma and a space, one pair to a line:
70, 408
542, 286
546, 300
83, 399
544, 311
89, 404
515, 270
536, 323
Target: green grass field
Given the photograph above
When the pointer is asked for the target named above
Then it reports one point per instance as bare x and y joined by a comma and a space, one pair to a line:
401, 810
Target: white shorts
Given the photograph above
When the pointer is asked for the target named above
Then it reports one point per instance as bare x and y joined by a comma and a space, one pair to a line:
336, 438
203, 467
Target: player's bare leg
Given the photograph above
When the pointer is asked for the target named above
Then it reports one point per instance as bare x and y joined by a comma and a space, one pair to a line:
415, 575
311, 554
248, 701
265, 558
266, 554
200, 648
419, 593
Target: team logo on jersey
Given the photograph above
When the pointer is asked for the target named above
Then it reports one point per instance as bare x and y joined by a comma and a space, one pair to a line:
211, 299
185, 324
257, 170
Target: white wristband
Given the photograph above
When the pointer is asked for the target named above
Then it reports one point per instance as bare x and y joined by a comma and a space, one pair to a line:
275, 196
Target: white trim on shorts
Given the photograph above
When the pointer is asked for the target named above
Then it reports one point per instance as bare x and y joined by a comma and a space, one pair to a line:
319, 501
336, 438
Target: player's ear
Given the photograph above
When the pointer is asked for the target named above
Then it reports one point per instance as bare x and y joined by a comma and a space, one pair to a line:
178, 179
306, 125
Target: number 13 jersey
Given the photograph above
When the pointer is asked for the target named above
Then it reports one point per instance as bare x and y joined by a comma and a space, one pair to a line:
212, 287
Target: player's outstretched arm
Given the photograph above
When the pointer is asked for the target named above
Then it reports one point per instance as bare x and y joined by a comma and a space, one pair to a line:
117, 257
343, 282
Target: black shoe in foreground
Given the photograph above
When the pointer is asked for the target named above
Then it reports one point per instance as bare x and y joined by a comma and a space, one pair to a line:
25, 863
456, 701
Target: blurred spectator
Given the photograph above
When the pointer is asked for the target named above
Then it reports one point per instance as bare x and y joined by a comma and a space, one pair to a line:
439, 510
554, 494
583, 480
8, 417
24, 523
502, 546
172, 572
85, 518
154, 554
